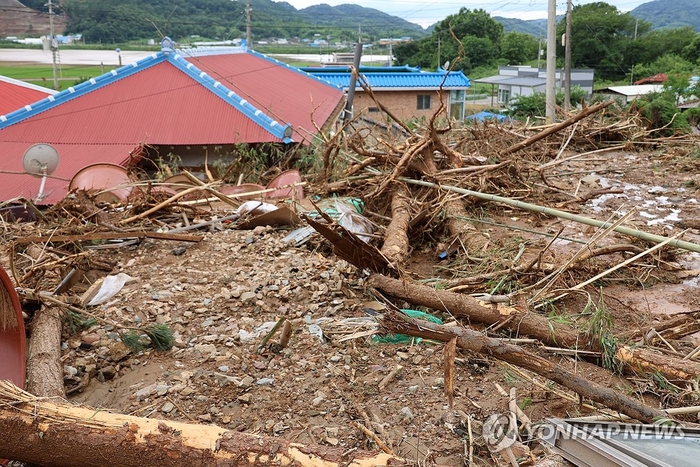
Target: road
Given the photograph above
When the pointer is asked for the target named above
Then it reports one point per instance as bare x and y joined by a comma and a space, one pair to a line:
72, 57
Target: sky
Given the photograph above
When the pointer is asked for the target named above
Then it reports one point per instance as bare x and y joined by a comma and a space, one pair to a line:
427, 12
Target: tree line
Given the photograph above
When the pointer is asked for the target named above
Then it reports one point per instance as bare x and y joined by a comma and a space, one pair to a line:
617, 45
122, 21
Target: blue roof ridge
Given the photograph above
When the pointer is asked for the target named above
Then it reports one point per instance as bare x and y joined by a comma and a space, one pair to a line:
80, 89
291, 67
281, 131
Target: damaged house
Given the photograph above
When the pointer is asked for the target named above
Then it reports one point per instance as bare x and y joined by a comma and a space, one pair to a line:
184, 104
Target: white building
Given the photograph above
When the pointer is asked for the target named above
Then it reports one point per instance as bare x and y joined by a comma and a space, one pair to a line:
524, 80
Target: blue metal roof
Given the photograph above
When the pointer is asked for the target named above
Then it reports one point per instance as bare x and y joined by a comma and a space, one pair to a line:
396, 80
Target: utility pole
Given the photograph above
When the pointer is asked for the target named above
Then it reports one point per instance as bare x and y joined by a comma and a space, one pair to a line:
438, 60
567, 58
53, 45
248, 34
551, 94
539, 52
357, 59
636, 26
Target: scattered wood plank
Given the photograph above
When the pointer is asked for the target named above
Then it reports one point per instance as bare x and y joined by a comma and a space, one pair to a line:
107, 236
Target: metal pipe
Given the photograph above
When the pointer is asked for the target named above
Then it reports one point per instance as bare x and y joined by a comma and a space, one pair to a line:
556, 213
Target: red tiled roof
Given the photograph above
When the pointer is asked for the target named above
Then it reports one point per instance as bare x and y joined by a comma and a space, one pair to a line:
14, 95
162, 105
297, 99
158, 105
657, 78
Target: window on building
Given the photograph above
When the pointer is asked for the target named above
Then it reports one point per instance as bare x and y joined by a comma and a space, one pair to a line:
423, 102
503, 96
457, 98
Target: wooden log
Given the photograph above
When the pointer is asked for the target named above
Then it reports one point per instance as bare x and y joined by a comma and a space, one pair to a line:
396, 243
647, 361
57, 434
477, 342
44, 369
455, 213
88, 237
466, 307
558, 127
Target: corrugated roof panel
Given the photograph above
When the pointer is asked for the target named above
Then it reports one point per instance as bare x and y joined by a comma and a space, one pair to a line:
156, 102
73, 158
379, 81
14, 96
283, 93
158, 105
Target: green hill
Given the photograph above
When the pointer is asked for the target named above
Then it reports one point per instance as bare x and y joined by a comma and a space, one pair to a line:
120, 21
670, 13
535, 27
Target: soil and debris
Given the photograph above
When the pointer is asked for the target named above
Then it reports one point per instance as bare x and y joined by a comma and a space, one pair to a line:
268, 330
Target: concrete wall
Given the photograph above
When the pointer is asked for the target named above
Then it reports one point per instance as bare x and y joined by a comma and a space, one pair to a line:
403, 104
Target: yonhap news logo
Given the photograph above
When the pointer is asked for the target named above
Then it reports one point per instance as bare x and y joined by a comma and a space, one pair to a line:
500, 431
609, 430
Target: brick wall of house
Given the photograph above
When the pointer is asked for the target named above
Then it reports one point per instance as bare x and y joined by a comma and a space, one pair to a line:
403, 104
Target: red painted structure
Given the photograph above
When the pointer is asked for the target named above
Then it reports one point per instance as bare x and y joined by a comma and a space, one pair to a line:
15, 94
163, 105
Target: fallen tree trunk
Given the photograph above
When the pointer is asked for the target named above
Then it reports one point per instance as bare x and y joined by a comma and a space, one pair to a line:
466, 307
396, 243
554, 129
59, 434
44, 368
646, 361
475, 341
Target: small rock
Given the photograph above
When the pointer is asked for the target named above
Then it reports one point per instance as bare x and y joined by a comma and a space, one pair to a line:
146, 392
407, 414
179, 251
91, 338
161, 390
244, 398
205, 349
278, 428
106, 373
223, 368
265, 382
246, 382
245, 296
167, 407
119, 351
186, 391
70, 370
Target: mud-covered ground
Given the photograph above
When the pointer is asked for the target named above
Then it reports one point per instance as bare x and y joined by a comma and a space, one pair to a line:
222, 295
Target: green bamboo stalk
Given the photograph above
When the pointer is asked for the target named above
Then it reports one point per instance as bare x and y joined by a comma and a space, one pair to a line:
557, 213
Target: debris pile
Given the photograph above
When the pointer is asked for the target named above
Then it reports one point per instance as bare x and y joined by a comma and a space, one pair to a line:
424, 282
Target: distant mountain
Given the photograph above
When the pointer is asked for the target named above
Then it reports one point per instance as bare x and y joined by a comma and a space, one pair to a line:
670, 13
534, 27
365, 19
119, 21
660, 13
